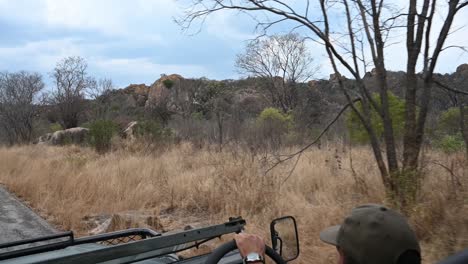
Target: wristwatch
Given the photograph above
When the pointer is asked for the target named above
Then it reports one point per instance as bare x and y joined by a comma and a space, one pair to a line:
254, 257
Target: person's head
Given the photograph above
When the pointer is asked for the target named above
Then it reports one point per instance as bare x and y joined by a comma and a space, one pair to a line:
373, 234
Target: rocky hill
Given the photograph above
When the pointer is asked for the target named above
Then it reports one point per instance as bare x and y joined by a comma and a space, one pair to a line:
184, 96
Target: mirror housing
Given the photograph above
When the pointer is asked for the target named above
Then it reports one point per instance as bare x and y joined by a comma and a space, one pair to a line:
284, 237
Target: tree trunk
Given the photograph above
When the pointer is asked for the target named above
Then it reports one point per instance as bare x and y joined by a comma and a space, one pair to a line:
220, 129
413, 47
463, 127
387, 122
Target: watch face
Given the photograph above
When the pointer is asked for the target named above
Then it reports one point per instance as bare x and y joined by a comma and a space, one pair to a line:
253, 257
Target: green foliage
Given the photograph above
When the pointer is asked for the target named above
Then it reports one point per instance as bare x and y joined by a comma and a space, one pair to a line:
101, 133
207, 96
447, 134
168, 83
86, 124
197, 116
274, 115
115, 108
274, 125
55, 127
397, 113
154, 131
67, 139
450, 143
449, 121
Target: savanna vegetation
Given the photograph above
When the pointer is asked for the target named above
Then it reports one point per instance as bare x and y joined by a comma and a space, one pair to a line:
279, 141
200, 186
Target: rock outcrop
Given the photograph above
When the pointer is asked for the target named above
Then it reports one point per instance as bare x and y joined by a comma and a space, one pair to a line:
167, 90
462, 69
75, 135
178, 95
139, 93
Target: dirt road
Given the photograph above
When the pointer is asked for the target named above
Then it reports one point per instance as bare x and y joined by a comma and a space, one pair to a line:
18, 222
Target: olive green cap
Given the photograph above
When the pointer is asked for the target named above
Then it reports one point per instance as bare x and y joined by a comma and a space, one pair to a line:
372, 234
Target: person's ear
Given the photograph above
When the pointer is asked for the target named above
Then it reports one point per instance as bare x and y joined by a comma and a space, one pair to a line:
341, 256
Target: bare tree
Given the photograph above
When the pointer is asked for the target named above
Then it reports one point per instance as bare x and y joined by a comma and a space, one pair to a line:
71, 84
354, 43
18, 92
283, 60
98, 91
462, 107
457, 92
218, 105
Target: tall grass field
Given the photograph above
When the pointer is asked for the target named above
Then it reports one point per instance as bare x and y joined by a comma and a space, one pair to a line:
68, 184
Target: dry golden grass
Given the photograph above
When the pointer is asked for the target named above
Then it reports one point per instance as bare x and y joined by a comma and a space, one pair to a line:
69, 183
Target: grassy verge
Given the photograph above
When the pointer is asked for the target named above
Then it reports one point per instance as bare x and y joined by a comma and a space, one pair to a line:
70, 183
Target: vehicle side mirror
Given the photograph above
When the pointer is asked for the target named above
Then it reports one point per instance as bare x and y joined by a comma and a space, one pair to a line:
284, 238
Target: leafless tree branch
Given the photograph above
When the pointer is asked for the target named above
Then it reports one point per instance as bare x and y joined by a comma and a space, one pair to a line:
317, 139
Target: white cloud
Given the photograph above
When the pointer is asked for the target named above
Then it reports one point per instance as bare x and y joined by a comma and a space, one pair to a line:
224, 25
38, 55
123, 18
41, 56
24, 12
85, 15
146, 24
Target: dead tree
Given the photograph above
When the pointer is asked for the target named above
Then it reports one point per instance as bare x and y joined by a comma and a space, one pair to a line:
18, 95
98, 91
71, 83
282, 60
364, 32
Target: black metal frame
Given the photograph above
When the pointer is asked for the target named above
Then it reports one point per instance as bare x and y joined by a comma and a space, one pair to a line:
122, 236
151, 244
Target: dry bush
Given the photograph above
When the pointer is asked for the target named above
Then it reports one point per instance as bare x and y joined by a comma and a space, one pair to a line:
70, 183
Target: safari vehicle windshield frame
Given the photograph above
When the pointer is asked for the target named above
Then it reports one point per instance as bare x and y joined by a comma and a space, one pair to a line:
141, 244
136, 245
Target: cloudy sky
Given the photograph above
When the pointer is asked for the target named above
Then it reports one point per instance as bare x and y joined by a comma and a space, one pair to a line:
134, 41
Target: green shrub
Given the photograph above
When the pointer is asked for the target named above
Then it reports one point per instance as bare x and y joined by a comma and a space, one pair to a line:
450, 143
449, 121
101, 133
197, 116
115, 108
397, 113
274, 115
152, 130
55, 127
274, 125
168, 83
86, 124
447, 135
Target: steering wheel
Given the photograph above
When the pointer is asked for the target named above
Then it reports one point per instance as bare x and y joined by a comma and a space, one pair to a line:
225, 248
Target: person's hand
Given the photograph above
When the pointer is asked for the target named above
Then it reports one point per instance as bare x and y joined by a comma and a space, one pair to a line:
247, 243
